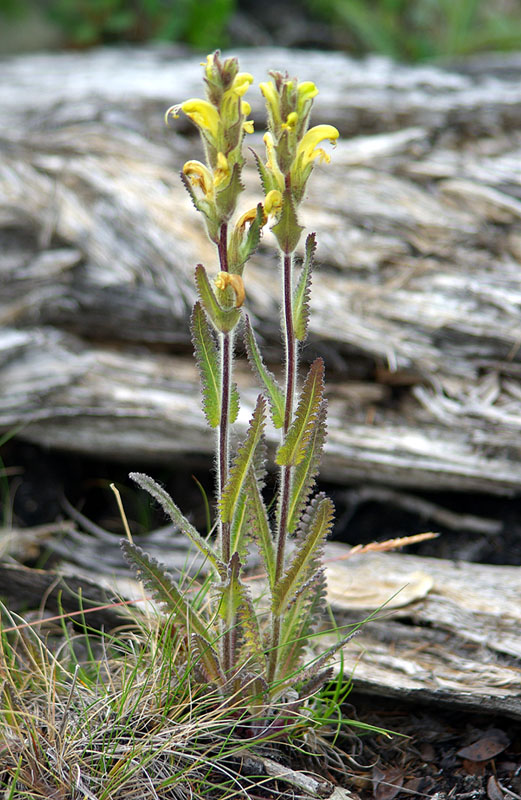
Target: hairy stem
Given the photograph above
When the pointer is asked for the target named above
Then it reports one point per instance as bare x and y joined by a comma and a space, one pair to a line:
223, 448
290, 353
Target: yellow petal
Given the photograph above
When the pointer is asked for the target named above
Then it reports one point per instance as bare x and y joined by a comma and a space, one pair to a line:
241, 83
307, 149
225, 279
222, 171
273, 202
247, 126
203, 114
199, 175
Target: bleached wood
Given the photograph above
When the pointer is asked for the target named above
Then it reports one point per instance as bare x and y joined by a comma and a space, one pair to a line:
417, 289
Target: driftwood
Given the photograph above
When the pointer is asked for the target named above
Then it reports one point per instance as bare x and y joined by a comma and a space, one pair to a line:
416, 309
447, 632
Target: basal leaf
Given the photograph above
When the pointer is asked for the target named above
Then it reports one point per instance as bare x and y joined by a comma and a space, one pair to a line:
252, 649
165, 501
305, 472
242, 462
224, 320
207, 660
315, 526
273, 390
302, 291
298, 622
293, 449
163, 588
207, 358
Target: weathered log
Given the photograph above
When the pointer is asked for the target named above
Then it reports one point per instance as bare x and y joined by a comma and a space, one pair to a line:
445, 632
419, 227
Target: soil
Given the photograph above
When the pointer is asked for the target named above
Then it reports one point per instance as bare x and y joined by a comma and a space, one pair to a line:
428, 757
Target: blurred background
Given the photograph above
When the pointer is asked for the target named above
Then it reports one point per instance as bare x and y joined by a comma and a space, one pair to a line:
407, 30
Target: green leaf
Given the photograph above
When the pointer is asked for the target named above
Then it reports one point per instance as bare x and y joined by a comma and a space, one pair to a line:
235, 403
163, 588
305, 472
207, 660
298, 622
224, 320
267, 180
242, 462
301, 294
230, 591
207, 358
165, 501
315, 526
293, 449
286, 229
259, 525
274, 391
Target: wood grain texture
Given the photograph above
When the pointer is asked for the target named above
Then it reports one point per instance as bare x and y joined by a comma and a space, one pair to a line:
416, 301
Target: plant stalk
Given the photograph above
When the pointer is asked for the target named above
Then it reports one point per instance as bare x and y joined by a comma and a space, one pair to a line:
223, 450
290, 354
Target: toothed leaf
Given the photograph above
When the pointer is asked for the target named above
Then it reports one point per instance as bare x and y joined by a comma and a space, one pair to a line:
235, 403
226, 198
274, 392
239, 531
165, 501
207, 660
302, 291
305, 472
293, 449
224, 320
243, 460
298, 622
252, 648
207, 358
316, 525
267, 180
287, 230
163, 588
259, 525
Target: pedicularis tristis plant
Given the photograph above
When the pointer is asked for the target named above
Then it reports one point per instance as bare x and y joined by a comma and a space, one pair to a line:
254, 657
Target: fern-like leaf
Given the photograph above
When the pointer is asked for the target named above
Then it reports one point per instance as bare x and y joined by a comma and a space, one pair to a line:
273, 390
207, 358
315, 526
242, 462
165, 501
293, 449
163, 588
302, 291
306, 471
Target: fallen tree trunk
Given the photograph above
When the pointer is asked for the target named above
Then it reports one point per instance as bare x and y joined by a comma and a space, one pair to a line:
447, 632
417, 305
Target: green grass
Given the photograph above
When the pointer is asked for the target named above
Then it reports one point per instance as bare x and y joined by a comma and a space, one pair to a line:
122, 715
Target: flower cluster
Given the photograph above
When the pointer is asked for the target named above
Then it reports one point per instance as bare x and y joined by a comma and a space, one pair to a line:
222, 120
291, 150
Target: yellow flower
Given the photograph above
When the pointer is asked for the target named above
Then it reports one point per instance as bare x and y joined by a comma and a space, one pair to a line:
306, 91
203, 114
248, 217
225, 279
241, 83
247, 126
222, 171
273, 202
291, 121
199, 175
307, 150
